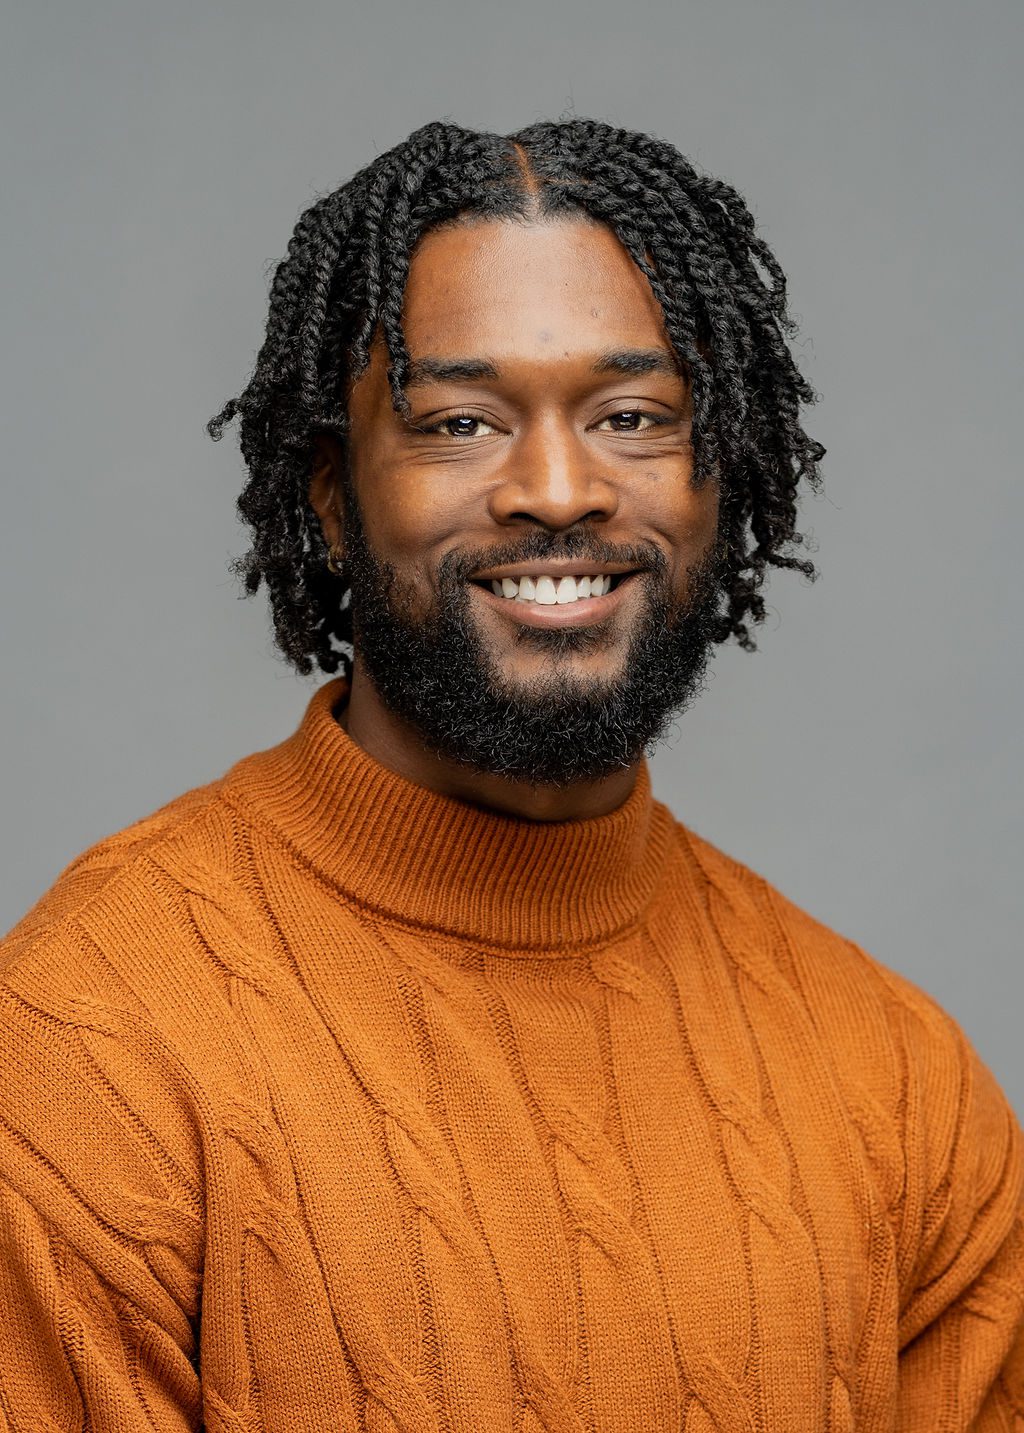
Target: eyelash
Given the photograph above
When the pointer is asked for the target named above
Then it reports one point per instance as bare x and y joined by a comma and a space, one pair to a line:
657, 420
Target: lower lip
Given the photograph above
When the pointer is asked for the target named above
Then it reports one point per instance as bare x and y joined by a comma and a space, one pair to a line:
584, 612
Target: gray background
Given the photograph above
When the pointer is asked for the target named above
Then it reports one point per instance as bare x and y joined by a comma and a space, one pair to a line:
155, 157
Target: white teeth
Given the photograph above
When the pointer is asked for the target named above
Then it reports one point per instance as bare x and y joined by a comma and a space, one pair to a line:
547, 591
566, 590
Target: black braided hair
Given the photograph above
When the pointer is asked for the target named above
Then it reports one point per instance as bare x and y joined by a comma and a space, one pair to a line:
722, 292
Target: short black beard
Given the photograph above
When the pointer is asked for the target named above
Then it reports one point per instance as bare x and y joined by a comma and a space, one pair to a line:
434, 672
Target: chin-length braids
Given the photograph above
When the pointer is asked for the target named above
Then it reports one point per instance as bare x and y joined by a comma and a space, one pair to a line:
721, 289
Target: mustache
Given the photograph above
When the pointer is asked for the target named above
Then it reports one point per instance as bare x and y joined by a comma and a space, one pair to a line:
463, 564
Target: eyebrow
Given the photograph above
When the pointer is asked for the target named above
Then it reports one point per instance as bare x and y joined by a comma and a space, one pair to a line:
449, 370
632, 361
638, 361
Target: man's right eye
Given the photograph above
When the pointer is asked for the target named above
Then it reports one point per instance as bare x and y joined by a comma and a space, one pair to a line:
459, 425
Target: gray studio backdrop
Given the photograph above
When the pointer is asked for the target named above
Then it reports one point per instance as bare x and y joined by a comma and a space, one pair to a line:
155, 156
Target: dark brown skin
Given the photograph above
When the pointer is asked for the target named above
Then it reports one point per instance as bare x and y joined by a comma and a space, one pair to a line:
542, 303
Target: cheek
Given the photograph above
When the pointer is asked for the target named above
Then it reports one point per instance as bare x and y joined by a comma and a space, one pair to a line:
687, 517
412, 521
407, 526
704, 513
691, 531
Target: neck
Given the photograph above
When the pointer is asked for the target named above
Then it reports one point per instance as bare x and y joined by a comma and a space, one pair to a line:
397, 746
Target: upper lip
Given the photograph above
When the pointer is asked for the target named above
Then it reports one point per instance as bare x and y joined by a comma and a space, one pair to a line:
559, 567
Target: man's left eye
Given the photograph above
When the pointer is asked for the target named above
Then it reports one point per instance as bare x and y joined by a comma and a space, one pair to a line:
632, 420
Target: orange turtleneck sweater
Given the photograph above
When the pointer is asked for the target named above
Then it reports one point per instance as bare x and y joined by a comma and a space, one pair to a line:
329, 1103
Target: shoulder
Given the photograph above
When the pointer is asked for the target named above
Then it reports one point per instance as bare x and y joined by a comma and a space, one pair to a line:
122, 1045
925, 1104
830, 973
114, 856
126, 926
105, 1109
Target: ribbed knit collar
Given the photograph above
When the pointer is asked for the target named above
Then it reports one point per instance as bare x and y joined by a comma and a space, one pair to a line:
434, 861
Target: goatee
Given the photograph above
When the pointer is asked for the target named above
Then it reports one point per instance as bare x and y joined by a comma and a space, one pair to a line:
435, 672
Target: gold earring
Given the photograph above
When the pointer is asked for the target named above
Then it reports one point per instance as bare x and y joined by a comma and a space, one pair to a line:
335, 561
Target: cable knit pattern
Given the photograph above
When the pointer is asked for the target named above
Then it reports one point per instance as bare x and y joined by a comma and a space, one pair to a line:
328, 1103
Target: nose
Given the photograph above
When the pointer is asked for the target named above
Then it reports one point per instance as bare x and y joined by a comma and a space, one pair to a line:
553, 479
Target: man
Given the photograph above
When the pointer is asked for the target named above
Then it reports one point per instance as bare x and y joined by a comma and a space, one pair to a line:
422, 1073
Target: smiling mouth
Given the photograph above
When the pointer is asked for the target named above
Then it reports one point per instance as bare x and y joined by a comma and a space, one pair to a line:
547, 591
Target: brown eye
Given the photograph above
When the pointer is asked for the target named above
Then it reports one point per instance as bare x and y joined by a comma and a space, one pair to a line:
632, 420
459, 425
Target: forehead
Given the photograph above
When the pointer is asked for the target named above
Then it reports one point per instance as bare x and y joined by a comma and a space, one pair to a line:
512, 289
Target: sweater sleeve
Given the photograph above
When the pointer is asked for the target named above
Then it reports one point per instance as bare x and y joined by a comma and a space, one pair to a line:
99, 1235
961, 1360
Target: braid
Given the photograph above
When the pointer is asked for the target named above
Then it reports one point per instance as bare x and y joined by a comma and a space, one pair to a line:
721, 290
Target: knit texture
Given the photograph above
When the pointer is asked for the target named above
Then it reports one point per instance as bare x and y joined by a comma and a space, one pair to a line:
330, 1103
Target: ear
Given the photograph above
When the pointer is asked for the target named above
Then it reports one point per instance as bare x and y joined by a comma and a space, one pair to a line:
325, 487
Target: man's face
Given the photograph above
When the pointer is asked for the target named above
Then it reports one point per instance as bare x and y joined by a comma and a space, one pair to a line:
548, 444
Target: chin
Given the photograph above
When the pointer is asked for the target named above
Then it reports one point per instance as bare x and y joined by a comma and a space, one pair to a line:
569, 651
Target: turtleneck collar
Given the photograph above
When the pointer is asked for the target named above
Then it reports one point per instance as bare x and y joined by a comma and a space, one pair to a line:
434, 861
